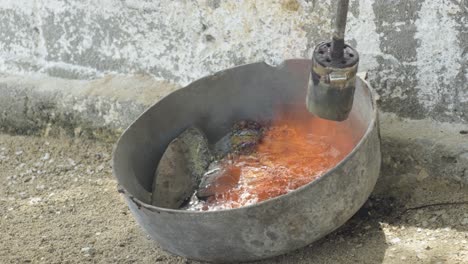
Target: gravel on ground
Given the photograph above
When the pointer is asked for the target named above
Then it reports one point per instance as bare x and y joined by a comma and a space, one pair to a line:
59, 204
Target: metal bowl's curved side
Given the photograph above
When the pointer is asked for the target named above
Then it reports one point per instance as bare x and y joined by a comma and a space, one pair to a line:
269, 228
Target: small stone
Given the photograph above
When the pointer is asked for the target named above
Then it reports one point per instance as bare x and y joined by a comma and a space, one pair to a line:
100, 167
35, 200
88, 251
395, 240
181, 168
46, 156
421, 256
440, 212
422, 175
403, 258
71, 162
465, 221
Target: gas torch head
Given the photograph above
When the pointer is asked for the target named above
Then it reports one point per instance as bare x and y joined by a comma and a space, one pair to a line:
332, 80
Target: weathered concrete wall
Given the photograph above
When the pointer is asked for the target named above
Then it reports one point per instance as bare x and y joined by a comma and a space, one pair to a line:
100, 108
416, 51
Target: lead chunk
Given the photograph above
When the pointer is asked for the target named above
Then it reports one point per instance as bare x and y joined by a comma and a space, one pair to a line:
180, 169
221, 175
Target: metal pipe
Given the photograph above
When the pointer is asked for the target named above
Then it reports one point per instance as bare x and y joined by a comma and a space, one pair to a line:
340, 27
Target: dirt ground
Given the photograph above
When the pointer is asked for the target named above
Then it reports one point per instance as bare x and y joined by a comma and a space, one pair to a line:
59, 204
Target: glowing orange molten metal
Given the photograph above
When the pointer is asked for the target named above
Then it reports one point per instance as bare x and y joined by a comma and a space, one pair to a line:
296, 149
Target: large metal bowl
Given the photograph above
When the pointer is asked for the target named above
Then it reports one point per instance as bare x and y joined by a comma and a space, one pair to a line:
266, 229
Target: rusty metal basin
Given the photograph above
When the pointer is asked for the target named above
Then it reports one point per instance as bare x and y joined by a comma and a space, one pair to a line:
265, 229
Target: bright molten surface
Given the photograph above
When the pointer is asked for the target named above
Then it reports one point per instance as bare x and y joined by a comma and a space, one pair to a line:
296, 149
